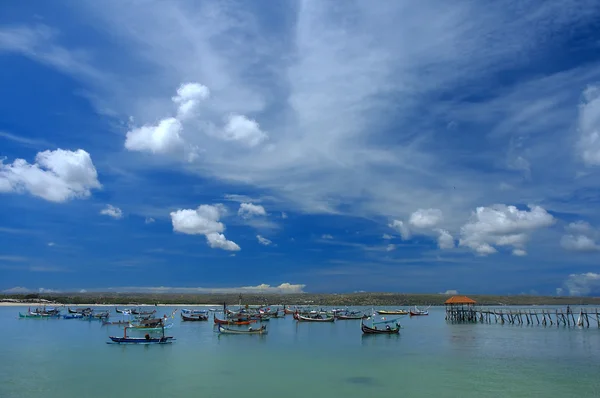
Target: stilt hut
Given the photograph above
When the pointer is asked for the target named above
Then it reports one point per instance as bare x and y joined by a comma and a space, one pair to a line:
460, 309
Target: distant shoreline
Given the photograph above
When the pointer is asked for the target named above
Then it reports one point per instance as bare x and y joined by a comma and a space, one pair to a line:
305, 299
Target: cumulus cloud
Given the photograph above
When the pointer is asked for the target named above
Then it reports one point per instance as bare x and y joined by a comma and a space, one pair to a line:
112, 211
248, 210
218, 241
284, 215
164, 137
425, 218
326, 236
149, 220
263, 241
56, 176
387, 236
168, 135
445, 239
204, 221
243, 130
580, 237
390, 247
589, 126
189, 96
502, 225
581, 284
402, 228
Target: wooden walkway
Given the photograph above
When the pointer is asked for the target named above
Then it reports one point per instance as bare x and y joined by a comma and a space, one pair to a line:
582, 317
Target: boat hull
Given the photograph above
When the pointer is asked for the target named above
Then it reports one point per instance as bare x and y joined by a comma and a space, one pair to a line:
224, 330
368, 330
301, 318
140, 340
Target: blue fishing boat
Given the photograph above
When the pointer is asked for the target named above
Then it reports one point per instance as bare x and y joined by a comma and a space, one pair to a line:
147, 339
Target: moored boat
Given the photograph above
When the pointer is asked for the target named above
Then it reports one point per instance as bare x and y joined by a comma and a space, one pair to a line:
302, 318
375, 330
418, 312
232, 321
392, 312
250, 330
147, 339
193, 317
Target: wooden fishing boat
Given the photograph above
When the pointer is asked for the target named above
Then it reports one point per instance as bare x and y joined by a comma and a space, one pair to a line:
147, 339
73, 316
302, 318
392, 312
194, 317
139, 312
375, 330
232, 321
107, 323
418, 312
351, 316
79, 310
261, 330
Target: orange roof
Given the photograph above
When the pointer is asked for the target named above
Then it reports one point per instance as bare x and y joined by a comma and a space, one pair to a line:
460, 300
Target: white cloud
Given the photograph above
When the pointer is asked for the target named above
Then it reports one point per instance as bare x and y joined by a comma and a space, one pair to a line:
149, 220
165, 137
390, 247
519, 252
445, 240
502, 225
425, 218
44, 290
51, 244
580, 237
203, 221
582, 284
324, 93
189, 96
218, 241
56, 176
248, 210
589, 126
387, 236
283, 288
112, 211
579, 243
326, 236
16, 290
284, 215
241, 129
450, 292
402, 228
82, 291
263, 241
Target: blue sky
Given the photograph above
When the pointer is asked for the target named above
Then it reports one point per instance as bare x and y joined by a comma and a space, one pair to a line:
313, 146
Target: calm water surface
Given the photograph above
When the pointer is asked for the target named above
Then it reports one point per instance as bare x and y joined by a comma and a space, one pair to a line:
430, 358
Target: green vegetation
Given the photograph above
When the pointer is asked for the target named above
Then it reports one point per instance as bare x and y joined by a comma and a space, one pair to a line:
350, 299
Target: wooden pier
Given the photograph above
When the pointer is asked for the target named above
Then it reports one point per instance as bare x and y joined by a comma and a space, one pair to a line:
460, 309
545, 317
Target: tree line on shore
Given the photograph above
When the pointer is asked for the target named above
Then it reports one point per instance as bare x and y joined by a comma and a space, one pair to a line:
321, 299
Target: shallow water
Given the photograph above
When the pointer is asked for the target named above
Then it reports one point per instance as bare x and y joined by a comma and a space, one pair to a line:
430, 358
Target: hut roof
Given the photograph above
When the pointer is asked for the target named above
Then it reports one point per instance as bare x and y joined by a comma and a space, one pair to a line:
460, 300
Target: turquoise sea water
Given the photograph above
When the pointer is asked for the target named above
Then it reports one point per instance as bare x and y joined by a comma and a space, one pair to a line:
430, 358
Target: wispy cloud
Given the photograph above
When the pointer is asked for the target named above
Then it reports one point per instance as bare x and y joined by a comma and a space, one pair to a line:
28, 142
